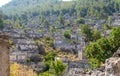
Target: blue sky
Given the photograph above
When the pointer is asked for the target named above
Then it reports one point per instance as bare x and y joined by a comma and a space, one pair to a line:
2, 2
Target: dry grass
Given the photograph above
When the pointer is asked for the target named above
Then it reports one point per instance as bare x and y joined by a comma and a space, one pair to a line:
21, 70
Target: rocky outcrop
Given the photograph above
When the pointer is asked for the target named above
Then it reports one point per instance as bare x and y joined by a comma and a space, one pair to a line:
4, 55
110, 68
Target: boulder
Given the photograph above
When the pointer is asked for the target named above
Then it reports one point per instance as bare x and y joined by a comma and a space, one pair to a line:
112, 66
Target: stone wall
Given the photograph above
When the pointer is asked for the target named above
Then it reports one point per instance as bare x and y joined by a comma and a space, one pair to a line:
4, 55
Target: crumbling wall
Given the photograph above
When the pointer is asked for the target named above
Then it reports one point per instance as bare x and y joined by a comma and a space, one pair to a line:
4, 55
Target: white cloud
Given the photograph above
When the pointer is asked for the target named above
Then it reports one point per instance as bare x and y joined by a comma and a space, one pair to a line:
2, 2
67, 0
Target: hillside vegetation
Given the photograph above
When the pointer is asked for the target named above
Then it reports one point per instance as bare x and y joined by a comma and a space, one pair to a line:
25, 10
75, 22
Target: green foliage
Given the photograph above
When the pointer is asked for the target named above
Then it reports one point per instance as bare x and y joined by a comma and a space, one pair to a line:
50, 56
67, 22
92, 50
115, 37
109, 20
49, 41
100, 51
106, 48
40, 31
46, 23
106, 27
18, 24
103, 48
52, 29
11, 41
96, 35
59, 67
46, 66
1, 22
67, 34
28, 60
60, 20
27, 9
87, 32
80, 21
7, 22
46, 74
53, 67
95, 63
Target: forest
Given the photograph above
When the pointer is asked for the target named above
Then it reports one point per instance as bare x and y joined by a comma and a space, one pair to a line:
24, 10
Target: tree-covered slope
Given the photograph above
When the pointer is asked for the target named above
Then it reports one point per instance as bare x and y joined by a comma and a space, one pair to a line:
20, 6
27, 9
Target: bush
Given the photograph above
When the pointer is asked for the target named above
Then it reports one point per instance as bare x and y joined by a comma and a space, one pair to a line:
50, 56
97, 52
67, 34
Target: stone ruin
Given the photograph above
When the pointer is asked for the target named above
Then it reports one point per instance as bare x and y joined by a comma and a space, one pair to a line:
4, 55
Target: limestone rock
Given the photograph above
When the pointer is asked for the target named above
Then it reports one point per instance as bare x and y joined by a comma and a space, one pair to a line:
112, 67
98, 73
117, 54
